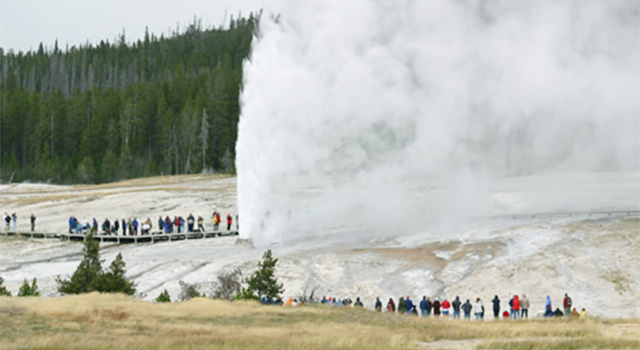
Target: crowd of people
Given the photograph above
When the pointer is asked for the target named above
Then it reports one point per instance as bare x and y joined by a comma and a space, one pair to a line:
11, 222
134, 227
518, 308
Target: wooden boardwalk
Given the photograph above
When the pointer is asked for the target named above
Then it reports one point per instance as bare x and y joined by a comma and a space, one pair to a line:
150, 238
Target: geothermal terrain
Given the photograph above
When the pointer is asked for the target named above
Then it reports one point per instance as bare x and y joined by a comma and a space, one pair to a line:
585, 242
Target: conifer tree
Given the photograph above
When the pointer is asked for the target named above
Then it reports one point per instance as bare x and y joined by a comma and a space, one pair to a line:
90, 277
163, 297
3, 289
263, 282
114, 280
27, 290
87, 276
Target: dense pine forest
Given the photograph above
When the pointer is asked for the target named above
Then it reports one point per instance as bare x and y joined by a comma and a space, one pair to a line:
110, 111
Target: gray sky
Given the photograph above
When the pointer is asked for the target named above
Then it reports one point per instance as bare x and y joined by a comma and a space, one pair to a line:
26, 23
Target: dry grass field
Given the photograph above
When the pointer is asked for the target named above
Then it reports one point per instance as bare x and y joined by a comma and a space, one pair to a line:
98, 321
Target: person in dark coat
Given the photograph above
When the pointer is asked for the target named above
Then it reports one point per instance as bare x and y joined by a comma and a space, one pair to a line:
378, 306
33, 222
558, 313
496, 307
190, 222
436, 308
358, 303
456, 307
391, 306
466, 307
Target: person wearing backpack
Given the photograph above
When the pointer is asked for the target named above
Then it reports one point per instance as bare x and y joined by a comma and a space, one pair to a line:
391, 306
567, 303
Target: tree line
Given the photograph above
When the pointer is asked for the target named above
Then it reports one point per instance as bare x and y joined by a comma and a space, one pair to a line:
92, 114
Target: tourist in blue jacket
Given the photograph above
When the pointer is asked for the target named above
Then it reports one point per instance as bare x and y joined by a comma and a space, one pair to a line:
425, 306
409, 305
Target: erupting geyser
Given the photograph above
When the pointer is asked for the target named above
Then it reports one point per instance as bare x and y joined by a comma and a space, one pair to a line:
369, 115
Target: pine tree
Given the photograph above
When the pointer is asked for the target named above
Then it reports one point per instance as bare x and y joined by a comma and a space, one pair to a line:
87, 276
163, 297
263, 282
114, 280
90, 277
3, 289
27, 290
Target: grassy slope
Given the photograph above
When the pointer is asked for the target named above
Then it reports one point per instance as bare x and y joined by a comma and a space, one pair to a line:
97, 321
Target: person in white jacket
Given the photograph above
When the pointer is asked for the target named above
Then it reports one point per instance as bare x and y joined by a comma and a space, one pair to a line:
479, 309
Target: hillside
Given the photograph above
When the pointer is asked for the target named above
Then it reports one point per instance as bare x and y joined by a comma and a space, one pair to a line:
590, 255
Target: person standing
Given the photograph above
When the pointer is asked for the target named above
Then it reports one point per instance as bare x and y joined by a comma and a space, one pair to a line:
147, 226
72, 224
135, 224
424, 306
216, 220
33, 222
478, 309
378, 306
466, 307
229, 222
200, 224
106, 226
567, 303
116, 226
167, 225
496, 307
402, 306
190, 221
456, 307
408, 305
358, 303
446, 305
515, 308
436, 308
14, 218
524, 305
391, 305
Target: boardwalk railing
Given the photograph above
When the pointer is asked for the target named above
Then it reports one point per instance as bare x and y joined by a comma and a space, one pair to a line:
149, 238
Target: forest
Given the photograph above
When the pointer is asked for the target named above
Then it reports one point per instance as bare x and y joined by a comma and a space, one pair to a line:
112, 111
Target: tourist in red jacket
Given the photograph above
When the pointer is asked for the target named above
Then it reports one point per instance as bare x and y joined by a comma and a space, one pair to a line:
515, 308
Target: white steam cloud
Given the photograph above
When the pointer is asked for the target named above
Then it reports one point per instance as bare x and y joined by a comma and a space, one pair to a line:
366, 116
